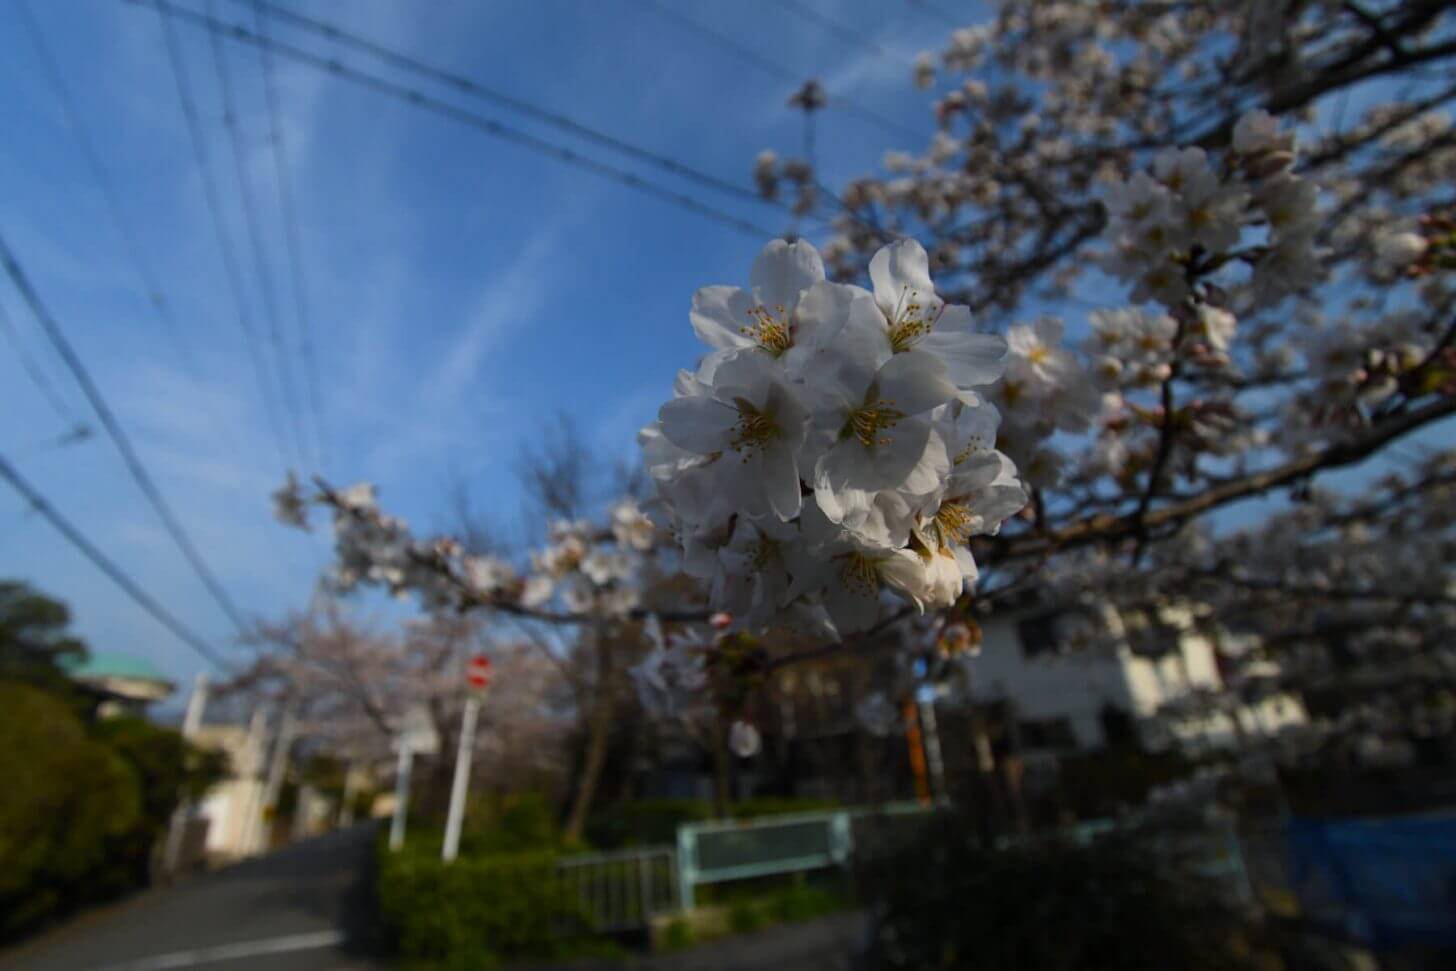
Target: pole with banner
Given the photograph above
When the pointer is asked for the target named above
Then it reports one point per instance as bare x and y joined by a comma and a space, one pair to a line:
477, 676
417, 736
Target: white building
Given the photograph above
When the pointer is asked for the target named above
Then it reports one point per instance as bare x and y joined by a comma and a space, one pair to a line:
1080, 677
233, 808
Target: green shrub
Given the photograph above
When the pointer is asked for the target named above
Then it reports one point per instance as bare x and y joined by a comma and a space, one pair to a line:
83, 805
679, 935
946, 903
67, 802
166, 770
804, 903
744, 917
509, 823
476, 911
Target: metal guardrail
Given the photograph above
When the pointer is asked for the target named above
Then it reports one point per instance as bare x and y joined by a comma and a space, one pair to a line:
715, 852
622, 890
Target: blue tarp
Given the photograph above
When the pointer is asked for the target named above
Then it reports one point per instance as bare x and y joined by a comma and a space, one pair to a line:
1389, 883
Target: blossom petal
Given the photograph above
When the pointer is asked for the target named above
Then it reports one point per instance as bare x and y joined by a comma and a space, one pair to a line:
783, 270
970, 359
698, 423
915, 381
717, 315
899, 267
781, 481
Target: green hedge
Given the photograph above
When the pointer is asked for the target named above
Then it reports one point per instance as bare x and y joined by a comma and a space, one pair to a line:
82, 805
476, 911
654, 822
66, 801
946, 903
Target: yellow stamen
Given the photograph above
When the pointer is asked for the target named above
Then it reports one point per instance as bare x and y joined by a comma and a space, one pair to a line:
753, 430
771, 331
909, 323
859, 575
954, 522
766, 552
868, 420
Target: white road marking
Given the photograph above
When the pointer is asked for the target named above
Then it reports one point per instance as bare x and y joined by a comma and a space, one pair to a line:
228, 952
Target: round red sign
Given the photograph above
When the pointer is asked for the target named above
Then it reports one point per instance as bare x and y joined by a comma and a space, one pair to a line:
477, 671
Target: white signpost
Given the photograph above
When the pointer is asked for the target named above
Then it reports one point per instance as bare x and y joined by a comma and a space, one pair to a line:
477, 675
416, 734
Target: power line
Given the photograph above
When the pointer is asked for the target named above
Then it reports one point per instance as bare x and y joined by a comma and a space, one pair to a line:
768, 66
293, 244
37, 376
105, 565
151, 286
459, 82
114, 430
936, 13
255, 240
466, 117
224, 243
847, 34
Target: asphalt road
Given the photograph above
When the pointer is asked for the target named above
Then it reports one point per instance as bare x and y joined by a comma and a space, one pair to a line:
302, 908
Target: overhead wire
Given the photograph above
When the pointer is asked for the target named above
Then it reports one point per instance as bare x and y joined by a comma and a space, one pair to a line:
459, 82
37, 375
131, 241
118, 435
117, 575
768, 66
465, 116
936, 13
229, 258
293, 244
253, 229
846, 34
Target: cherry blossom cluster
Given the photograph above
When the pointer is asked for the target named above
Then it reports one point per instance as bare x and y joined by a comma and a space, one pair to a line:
835, 443
1185, 219
593, 572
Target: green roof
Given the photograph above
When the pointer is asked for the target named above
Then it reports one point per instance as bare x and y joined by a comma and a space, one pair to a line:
106, 665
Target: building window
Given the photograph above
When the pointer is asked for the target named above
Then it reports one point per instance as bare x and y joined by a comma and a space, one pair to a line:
1148, 635
1038, 635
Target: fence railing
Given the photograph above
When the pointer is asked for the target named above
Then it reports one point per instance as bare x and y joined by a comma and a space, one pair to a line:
719, 851
622, 890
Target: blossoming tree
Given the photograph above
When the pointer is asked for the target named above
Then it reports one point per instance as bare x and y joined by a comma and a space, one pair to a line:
1240, 214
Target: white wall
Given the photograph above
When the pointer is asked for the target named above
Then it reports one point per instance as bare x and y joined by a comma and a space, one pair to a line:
1076, 685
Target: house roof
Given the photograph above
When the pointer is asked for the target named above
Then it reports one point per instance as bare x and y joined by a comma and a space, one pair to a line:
108, 665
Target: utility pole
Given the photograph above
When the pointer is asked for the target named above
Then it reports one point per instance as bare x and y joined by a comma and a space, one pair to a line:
253, 773
177, 828
287, 729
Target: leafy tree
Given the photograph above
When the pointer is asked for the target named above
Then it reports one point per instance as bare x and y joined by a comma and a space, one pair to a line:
34, 640
68, 799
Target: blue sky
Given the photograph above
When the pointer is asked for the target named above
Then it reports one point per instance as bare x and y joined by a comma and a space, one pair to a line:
463, 290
